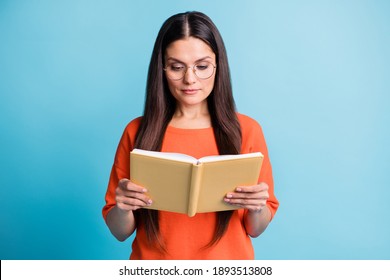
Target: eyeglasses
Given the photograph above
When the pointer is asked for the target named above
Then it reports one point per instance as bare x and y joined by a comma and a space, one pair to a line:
203, 70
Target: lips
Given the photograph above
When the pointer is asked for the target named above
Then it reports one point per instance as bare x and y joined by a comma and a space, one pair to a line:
190, 91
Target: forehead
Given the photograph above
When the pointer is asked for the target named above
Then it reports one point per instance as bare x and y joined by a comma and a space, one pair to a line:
189, 50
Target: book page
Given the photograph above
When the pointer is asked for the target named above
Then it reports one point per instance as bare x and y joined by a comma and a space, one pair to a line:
165, 155
229, 157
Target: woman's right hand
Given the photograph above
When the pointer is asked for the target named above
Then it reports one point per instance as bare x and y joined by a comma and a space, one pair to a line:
130, 197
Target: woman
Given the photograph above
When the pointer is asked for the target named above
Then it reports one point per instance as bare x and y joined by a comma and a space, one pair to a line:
189, 109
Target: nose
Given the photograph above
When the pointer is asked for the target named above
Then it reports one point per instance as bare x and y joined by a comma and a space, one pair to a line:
189, 76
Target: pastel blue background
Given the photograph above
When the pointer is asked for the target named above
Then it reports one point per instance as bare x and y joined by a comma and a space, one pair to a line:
315, 74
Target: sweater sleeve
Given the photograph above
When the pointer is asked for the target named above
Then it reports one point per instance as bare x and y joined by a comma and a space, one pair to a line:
253, 140
121, 166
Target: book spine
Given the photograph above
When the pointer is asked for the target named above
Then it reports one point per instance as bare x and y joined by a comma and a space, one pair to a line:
194, 189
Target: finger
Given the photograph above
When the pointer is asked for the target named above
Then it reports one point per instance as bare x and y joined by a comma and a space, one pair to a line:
255, 188
132, 195
134, 201
246, 202
130, 205
253, 208
126, 184
254, 195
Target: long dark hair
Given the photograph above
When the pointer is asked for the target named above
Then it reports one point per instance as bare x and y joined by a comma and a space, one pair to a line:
160, 105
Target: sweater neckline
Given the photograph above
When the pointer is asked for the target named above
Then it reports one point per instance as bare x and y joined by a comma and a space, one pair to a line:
188, 130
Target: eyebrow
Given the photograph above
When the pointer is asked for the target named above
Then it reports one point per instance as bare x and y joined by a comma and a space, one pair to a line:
198, 60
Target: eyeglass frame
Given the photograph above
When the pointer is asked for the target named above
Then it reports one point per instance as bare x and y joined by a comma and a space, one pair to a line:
193, 70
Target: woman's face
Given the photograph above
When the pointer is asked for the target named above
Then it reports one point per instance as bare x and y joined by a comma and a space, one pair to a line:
181, 56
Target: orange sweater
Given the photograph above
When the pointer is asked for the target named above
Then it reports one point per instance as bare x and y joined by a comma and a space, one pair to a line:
185, 236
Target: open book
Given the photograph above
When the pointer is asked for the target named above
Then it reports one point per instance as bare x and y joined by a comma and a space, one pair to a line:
183, 184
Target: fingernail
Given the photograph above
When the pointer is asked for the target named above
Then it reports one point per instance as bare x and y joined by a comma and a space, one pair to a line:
238, 189
229, 195
150, 201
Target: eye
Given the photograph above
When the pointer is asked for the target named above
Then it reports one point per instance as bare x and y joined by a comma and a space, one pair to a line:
176, 67
202, 66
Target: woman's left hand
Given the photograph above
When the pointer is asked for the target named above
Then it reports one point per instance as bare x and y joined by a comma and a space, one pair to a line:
253, 198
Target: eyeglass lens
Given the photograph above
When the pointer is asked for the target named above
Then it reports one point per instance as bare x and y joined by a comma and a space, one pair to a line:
202, 70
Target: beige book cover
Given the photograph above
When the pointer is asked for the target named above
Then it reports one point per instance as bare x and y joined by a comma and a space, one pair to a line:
183, 184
